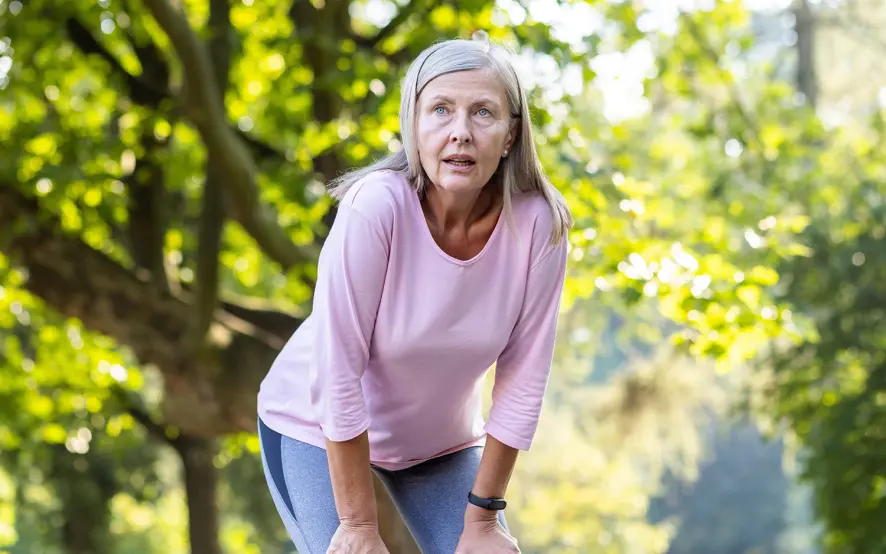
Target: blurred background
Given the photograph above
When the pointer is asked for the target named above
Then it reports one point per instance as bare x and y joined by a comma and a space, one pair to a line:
720, 379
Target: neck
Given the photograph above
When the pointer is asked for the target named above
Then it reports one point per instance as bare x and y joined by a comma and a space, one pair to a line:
450, 210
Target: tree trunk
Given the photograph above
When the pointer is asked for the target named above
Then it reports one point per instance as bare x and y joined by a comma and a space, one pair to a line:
807, 80
201, 484
84, 486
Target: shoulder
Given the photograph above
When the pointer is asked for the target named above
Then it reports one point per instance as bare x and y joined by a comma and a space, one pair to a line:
368, 209
380, 195
380, 198
533, 213
535, 223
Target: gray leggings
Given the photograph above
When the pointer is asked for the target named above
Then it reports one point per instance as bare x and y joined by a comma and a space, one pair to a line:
431, 496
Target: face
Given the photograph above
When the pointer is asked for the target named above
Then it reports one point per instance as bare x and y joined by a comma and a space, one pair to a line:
464, 128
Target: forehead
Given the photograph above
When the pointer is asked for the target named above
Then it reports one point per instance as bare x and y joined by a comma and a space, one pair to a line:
466, 86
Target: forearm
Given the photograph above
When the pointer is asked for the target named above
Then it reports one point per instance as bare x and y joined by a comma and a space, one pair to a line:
493, 476
352, 480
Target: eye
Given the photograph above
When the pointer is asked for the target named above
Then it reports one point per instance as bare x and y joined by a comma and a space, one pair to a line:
483, 112
440, 110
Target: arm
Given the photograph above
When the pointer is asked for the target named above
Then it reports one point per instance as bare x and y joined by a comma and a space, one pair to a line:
493, 475
521, 377
351, 274
352, 482
481, 532
523, 368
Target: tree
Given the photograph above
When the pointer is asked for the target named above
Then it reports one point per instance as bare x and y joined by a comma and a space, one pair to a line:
830, 388
162, 201
826, 387
161, 183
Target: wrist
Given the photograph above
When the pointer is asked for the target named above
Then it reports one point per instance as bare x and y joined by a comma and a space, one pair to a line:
493, 503
476, 514
359, 523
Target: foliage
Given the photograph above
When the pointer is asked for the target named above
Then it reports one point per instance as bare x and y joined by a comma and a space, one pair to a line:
832, 389
723, 217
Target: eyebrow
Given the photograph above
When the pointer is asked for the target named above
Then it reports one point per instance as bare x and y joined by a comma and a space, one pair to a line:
439, 98
445, 99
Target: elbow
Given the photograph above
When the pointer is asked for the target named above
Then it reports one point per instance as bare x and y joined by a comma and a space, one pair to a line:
341, 424
508, 437
340, 411
515, 429
337, 432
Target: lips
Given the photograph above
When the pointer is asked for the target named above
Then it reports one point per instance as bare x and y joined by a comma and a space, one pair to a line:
460, 161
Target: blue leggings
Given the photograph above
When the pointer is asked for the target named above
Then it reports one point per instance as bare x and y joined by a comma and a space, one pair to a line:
431, 496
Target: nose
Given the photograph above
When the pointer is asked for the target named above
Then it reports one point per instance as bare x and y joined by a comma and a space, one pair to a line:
460, 132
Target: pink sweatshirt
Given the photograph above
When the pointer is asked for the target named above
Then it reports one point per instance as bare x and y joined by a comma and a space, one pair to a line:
401, 334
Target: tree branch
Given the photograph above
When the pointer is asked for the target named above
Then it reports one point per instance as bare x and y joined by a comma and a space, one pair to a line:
276, 323
147, 220
142, 91
212, 216
402, 15
147, 91
141, 416
220, 42
208, 247
752, 126
402, 56
203, 102
205, 395
709, 51
85, 284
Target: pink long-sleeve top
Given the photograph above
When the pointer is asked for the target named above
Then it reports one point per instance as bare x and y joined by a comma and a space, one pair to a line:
401, 334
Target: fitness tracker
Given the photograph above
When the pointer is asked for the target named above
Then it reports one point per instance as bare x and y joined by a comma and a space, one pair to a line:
487, 503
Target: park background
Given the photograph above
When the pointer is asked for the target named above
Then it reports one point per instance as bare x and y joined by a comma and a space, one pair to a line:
719, 384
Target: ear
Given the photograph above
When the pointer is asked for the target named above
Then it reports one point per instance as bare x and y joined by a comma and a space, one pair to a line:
512, 135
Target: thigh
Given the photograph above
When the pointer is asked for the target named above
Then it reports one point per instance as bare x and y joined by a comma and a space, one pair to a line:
298, 477
432, 498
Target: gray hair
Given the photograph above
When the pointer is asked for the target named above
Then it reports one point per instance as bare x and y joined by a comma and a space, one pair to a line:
519, 172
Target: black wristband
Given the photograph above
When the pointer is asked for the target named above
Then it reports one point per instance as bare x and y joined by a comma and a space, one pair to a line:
492, 504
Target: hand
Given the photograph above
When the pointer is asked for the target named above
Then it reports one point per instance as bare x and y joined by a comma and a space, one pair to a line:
485, 536
350, 538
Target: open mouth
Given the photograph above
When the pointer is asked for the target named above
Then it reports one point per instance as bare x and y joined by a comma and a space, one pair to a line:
459, 162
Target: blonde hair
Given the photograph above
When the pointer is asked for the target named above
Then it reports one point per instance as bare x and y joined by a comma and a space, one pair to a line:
519, 172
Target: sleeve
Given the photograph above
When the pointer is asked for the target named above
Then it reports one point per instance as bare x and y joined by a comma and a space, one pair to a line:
351, 274
523, 368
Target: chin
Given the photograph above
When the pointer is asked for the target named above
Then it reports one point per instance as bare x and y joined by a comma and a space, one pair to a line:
460, 183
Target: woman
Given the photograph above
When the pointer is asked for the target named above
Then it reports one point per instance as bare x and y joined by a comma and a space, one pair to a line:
444, 259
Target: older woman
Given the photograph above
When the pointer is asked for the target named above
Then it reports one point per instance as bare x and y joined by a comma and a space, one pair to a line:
444, 259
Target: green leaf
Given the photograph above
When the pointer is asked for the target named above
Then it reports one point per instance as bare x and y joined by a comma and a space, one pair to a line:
763, 276
54, 433
750, 295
